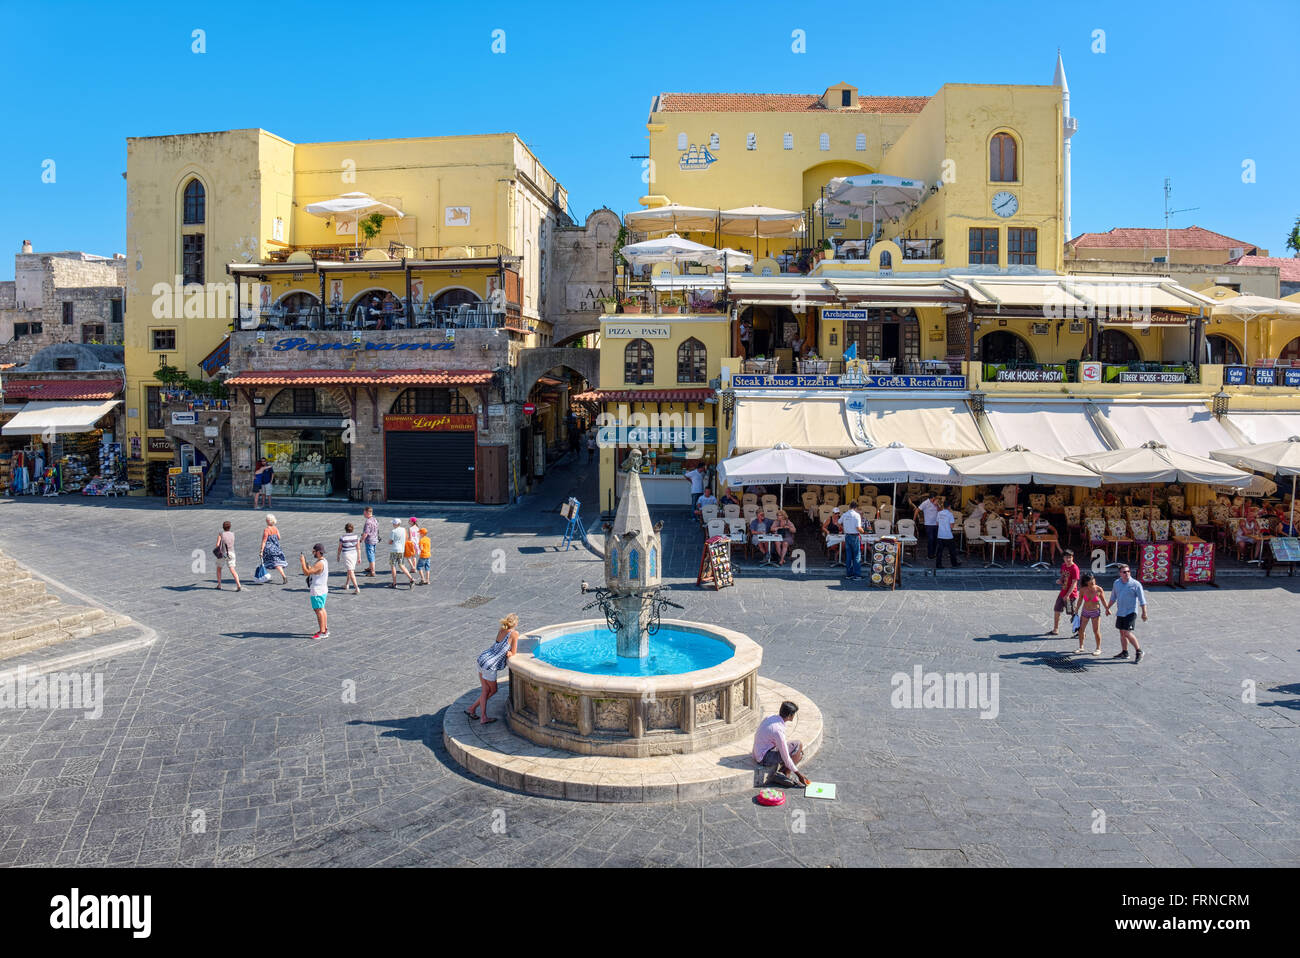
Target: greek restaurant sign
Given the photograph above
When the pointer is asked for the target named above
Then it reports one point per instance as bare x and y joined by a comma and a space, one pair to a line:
1133, 377
655, 436
796, 381
302, 345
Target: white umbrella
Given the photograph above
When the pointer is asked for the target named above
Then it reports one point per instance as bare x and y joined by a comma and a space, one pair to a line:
781, 464
669, 249
673, 217
888, 196
1276, 458
1019, 465
761, 221
351, 207
726, 258
1250, 307
1155, 462
897, 463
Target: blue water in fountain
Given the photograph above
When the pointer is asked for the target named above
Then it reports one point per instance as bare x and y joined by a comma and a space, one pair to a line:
672, 651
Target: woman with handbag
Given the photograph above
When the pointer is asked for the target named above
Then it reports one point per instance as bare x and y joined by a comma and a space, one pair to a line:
492, 660
272, 551
224, 550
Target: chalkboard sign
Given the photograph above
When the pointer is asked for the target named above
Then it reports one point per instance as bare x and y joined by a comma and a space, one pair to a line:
886, 566
715, 563
1156, 563
1198, 564
185, 486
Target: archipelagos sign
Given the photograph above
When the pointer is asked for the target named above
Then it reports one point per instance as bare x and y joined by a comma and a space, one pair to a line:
797, 381
302, 345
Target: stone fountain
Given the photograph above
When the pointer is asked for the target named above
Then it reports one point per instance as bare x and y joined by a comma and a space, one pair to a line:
694, 716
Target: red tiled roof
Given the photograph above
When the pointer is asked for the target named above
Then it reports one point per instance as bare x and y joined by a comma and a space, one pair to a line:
1288, 267
361, 377
1125, 237
644, 395
781, 103
37, 389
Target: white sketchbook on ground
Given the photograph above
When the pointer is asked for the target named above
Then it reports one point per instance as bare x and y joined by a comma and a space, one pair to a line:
819, 790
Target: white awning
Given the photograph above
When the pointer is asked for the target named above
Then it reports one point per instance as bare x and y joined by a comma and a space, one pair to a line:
785, 289
815, 425
938, 428
57, 417
1072, 294
1263, 427
928, 295
1188, 428
1053, 429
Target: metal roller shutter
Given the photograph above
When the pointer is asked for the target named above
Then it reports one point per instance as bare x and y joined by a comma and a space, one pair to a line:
430, 466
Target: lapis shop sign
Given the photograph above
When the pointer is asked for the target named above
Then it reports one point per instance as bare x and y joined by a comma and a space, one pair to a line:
302, 345
795, 381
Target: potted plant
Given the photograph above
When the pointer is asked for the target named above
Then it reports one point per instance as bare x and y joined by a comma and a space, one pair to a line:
608, 304
672, 305
633, 305
370, 226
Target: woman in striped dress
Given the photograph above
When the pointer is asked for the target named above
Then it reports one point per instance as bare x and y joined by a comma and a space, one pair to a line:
272, 551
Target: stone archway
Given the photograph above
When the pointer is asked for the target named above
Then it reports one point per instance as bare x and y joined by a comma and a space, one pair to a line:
533, 363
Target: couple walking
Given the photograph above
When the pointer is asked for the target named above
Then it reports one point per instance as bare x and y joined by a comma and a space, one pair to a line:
1127, 597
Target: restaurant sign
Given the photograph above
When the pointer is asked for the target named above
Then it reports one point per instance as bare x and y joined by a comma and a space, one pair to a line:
302, 345
1234, 375
1271, 376
856, 315
451, 422
158, 444
637, 330
1040, 374
1132, 377
655, 436
796, 381
1291, 377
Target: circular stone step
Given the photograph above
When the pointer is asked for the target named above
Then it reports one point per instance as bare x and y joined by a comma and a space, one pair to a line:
494, 753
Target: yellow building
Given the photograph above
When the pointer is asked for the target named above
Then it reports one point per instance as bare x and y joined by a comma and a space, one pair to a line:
479, 211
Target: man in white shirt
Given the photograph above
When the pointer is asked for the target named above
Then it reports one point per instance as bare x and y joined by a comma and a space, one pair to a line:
397, 553
851, 523
772, 750
696, 476
928, 510
708, 499
944, 520
318, 587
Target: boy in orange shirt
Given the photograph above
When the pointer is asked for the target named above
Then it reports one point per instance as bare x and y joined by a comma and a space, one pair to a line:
426, 552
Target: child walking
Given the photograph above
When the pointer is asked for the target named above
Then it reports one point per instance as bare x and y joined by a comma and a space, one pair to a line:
1092, 599
426, 555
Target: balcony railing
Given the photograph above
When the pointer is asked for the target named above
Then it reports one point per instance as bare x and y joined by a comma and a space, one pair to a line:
467, 316
343, 253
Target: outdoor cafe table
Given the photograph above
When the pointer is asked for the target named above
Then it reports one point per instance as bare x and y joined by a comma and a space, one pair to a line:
1042, 540
759, 538
836, 541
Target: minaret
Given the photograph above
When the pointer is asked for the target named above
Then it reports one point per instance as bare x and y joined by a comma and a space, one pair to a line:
1069, 126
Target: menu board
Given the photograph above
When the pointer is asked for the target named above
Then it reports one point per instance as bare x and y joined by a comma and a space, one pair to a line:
886, 570
1156, 563
1285, 549
1198, 564
185, 486
715, 563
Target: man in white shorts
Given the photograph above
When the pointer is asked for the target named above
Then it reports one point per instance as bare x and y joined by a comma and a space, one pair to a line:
397, 554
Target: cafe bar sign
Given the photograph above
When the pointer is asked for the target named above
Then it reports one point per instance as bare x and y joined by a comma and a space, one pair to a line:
797, 381
1260, 376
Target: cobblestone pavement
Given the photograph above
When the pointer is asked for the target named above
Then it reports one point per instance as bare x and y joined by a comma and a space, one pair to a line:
234, 739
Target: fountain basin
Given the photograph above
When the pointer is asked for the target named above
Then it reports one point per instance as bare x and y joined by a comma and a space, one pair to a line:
634, 716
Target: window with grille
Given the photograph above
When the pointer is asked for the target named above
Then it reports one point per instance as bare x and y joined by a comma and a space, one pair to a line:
115, 307
195, 203
692, 362
153, 406
67, 314
787, 141
429, 401
638, 362
824, 141
164, 339
983, 246
1002, 158
192, 259
1022, 247
861, 142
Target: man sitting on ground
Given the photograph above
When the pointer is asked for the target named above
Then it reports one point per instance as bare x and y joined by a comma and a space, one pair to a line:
772, 750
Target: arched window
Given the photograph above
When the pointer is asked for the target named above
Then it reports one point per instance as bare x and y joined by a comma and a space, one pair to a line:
1220, 350
638, 362
654, 562
1002, 158
303, 402
430, 401
1004, 347
1290, 354
454, 297
1118, 347
692, 362
195, 203
298, 306
886, 259
375, 309
634, 564
613, 563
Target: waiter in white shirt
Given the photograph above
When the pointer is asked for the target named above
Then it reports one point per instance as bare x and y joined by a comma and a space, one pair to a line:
929, 512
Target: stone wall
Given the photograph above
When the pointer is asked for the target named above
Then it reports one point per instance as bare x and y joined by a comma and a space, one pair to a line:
582, 271
43, 283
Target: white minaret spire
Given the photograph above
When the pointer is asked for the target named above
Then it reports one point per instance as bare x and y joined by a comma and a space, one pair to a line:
1069, 127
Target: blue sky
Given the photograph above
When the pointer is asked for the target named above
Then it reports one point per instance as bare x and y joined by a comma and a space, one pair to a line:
1189, 91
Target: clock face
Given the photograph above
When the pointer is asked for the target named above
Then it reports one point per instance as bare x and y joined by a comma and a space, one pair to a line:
1005, 203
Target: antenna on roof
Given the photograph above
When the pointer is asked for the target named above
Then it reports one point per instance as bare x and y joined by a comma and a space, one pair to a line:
1169, 213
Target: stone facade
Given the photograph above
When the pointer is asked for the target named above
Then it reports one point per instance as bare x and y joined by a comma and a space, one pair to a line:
582, 272
42, 284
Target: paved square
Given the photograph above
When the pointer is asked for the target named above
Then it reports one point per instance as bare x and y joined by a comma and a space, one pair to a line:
235, 738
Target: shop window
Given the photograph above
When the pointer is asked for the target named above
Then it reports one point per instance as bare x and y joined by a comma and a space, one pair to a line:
195, 203
67, 314
303, 402
983, 246
153, 406
692, 362
638, 362
1022, 247
1002, 158
430, 401
163, 339
192, 259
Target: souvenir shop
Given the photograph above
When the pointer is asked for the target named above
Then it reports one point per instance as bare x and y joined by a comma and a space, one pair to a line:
302, 436
52, 448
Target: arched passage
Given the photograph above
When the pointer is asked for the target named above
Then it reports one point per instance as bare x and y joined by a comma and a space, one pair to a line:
1004, 346
1118, 347
1221, 350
